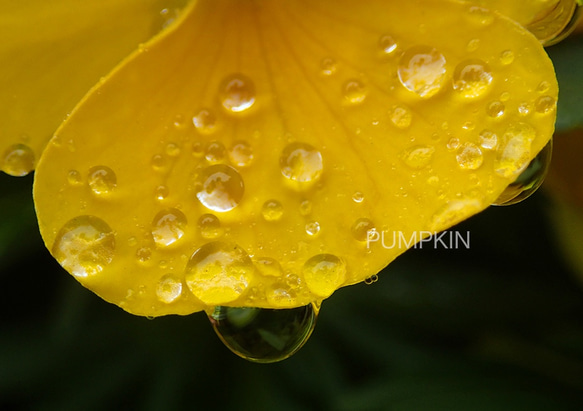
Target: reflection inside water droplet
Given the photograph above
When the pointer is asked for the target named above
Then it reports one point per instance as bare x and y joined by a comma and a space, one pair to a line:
264, 335
529, 180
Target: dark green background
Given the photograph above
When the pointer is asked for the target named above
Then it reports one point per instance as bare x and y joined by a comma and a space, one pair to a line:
495, 327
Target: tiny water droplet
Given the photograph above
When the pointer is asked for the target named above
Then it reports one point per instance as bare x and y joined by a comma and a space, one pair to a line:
205, 121
220, 188
371, 280
453, 143
74, 177
237, 93
159, 162
529, 180
545, 104
143, 254
272, 210
422, 70
305, 207
101, 180
161, 193
495, 109
301, 162
401, 116
210, 226
264, 335
543, 87
524, 109
473, 45
472, 78
358, 197
172, 149
324, 273
84, 246
168, 227
354, 91
168, 289
469, 157
362, 228
328, 66
480, 15
387, 44
506, 57
241, 154
219, 272
312, 228
418, 156
18, 160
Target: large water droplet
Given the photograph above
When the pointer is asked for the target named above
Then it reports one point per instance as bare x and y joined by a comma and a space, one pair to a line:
301, 162
264, 335
422, 70
469, 156
529, 180
18, 160
168, 289
513, 157
237, 93
220, 188
219, 272
324, 273
472, 78
84, 246
101, 180
168, 227
210, 226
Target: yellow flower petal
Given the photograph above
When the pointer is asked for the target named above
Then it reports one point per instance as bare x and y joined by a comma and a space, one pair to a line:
52, 53
257, 154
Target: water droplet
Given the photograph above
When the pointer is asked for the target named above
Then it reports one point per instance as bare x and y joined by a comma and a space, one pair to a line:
513, 157
480, 15
168, 227
264, 335
143, 254
168, 289
506, 57
418, 157
84, 246
529, 180
401, 116
74, 177
268, 267
219, 272
524, 109
161, 192
241, 154
328, 66
197, 149
312, 228
101, 180
179, 121
324, 273
453, 143
473, 45
272, 210
545, 104
215, 152
354, 91
205, 121
495, 109
488, 140
220, 188
422, 70
172, 149
504, 96
18, 160
472, 78
469, 156
210, 226
237, 93
543, 87
387, 44
159, 162
371, 280
305, 207
361, 229
301, 162
358, 197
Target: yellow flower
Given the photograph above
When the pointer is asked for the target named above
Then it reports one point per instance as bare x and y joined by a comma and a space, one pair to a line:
257, 153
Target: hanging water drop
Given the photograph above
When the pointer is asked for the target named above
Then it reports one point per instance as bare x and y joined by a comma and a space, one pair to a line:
529, 180
264, 335
18, 160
